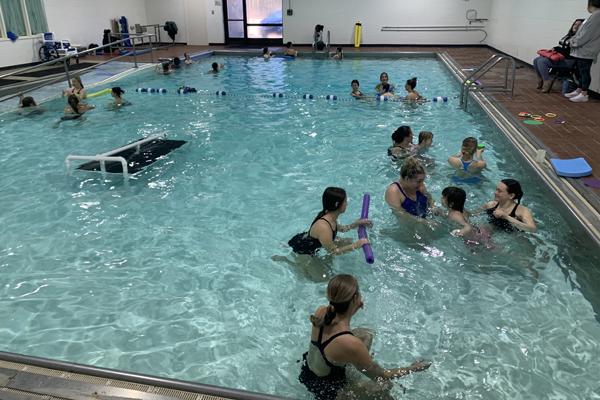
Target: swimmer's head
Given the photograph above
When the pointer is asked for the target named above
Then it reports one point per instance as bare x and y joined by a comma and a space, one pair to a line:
339, 49
288, 45
412, 169
512, 188
355, 84
76, 82
425, 138
165, 67
28, 102
334, 199
454, 198
117, 92
469, 146
343, 295
265, 51
215, 67
411, 84
383, 78
402, 134
176, 61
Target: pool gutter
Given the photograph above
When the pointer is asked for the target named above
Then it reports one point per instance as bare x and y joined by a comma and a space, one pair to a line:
27, 377
527, 145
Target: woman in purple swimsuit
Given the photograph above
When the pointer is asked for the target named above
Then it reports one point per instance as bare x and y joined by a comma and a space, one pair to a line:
409, 194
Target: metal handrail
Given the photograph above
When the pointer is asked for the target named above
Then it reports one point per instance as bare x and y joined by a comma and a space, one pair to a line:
437, 28
109, 155
64, 59
469, 81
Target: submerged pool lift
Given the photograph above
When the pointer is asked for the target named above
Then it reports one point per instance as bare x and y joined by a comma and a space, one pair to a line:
128, 159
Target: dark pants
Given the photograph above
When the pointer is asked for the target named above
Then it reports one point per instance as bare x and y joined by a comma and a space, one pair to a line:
584, 66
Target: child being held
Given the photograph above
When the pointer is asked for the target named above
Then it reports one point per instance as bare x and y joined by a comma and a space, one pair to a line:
453, 198
425, 140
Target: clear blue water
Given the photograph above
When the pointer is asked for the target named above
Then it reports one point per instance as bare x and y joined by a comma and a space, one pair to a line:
172, 274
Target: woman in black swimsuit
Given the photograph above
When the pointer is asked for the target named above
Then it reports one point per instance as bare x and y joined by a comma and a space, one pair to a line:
76, 89
333, 345
505, 212
324, 228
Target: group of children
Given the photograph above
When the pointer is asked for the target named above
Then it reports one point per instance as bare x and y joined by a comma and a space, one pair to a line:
386, 90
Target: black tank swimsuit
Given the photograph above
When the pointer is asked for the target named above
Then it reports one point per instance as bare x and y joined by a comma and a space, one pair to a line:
303, 243
501, 223
323, 387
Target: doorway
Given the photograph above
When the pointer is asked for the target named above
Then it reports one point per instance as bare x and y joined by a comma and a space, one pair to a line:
253, 22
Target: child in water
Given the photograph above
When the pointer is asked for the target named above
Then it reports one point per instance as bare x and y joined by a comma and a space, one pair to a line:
453, 199
266, 53
356, 93
339, 54
117, 94
425, 140
410, 86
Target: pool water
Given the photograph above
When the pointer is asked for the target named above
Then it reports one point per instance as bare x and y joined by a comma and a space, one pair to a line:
180, 272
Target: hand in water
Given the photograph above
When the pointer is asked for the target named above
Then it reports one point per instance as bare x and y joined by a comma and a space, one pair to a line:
364, 221
419, 365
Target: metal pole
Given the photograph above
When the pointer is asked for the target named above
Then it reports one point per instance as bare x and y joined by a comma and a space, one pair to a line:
152, 50
135, 65
67, 71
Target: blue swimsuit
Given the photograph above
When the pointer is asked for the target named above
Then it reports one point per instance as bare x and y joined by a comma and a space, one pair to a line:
418, 207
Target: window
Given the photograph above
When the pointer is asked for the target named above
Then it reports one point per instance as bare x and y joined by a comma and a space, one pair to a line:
22, 17
12, 11
37, 16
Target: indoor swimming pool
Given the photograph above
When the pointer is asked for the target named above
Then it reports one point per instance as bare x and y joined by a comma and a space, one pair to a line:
184, 271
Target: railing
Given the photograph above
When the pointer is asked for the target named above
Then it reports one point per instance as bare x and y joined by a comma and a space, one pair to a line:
437, 28
110, 156
66, 59
470, 82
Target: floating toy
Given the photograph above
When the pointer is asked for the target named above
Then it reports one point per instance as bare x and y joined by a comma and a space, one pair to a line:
550, 115
532, 122
186, 90
362, 231
539, 119
481, 146
151, 90
524, 114
535, 116
440, 99
99, 93
571, 168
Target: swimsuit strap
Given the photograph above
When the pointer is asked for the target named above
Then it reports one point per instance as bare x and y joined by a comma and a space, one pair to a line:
401, 191
513, 213
329, 223
324, 344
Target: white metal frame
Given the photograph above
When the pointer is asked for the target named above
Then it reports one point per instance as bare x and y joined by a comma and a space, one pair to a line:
109, 156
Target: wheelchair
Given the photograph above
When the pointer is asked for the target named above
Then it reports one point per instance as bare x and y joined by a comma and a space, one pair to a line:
52, 49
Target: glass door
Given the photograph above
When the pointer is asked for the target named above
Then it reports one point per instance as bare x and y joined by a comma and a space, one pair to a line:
257, 22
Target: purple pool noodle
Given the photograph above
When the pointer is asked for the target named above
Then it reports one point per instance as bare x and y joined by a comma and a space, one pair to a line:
362, 231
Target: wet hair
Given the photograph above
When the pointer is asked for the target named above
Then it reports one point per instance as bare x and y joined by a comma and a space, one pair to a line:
78, 79
424, 135
333, 198
411, 167
340, 292
594, 3
165, 66
401, 133
288, 44
215, 66
385, 87
339, 49
265, 50
176, 62
470, 144
455, 197
319, 28
28, 102
355, 81
118, 91
513, 187
382, 74
73, 101
412, 83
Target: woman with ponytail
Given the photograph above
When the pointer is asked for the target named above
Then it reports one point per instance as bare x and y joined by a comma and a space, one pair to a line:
324, 228
333, 345
505, 212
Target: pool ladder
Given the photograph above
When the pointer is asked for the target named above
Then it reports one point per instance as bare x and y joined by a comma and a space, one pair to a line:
469, 83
